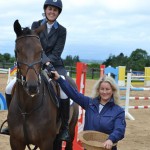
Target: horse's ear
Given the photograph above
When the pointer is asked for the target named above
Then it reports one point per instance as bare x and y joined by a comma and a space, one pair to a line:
17, 28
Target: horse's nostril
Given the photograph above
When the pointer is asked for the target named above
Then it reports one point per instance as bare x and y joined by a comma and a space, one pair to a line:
32, 89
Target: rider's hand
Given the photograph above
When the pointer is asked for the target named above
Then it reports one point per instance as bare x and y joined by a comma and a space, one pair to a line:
50, 68
56, 75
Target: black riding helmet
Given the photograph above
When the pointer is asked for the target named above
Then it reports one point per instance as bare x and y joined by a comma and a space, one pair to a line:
56, 3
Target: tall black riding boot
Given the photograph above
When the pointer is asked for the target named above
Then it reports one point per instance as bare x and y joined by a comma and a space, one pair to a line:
65, 110
8, 100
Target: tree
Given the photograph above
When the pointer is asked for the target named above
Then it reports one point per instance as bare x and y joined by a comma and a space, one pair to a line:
138, 60
109, 60
116, 61
1, 58
76, 59
71, 61
7, 57
68, 60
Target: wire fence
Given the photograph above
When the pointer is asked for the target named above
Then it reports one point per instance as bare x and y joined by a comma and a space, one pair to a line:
92, 73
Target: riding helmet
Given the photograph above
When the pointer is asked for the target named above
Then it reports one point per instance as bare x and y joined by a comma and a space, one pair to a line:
56, 3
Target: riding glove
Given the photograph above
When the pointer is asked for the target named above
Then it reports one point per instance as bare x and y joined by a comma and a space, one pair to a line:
50, 68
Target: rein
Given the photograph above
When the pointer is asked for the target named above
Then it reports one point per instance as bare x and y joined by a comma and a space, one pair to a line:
21, 37
20, 77
25, 115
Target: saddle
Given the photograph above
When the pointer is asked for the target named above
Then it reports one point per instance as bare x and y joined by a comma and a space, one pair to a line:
53, 89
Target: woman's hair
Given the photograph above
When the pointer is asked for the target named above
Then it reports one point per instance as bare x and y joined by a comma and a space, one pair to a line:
112, 82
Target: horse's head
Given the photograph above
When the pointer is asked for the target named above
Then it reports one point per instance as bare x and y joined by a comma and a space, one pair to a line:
28, 52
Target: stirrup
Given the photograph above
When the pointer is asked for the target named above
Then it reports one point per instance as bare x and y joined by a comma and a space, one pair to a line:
5, 131
64, 135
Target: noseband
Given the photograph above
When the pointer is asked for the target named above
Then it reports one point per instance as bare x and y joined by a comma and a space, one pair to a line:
22, 78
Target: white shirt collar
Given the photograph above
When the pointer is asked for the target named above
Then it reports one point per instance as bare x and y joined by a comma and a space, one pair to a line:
49, 26
100, 107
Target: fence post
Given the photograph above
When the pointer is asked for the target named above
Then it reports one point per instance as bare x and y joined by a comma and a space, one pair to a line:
147, 76
121, 76
102, 67
128, 97
70, 71
93, 70
81, 69
3, 64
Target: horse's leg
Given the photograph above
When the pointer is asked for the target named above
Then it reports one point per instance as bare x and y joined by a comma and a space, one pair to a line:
69, 145
16, 145
47, 144
57, 144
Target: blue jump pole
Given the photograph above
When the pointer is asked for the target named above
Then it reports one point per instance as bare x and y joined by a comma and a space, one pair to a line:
3, 105
135, 89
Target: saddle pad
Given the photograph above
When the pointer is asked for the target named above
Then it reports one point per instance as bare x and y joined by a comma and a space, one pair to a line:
71, 102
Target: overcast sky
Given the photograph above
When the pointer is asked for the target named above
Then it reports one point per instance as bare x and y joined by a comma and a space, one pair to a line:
95, 28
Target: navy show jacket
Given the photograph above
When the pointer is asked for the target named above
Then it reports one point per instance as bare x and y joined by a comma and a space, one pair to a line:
52, 43
111, 119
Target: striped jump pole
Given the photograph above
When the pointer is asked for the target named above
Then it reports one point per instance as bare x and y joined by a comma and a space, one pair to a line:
135, 98
128, 88
81, 69
135, 89
138, 107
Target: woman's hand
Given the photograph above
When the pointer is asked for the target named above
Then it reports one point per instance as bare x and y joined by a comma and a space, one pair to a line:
56, 75
108, 144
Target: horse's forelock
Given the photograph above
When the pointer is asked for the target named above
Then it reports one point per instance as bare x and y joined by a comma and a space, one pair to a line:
27, 31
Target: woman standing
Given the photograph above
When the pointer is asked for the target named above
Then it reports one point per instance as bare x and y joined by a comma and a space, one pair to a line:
102, 112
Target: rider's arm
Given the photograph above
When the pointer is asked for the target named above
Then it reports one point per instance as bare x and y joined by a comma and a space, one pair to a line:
71, 92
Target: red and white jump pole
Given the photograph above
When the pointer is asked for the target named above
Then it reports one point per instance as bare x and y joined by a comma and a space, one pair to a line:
81, 69
128, 89
102, 67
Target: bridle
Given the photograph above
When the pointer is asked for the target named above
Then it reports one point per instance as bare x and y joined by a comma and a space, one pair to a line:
22, 78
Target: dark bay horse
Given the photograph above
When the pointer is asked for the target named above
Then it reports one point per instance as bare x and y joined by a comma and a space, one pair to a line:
33, 117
